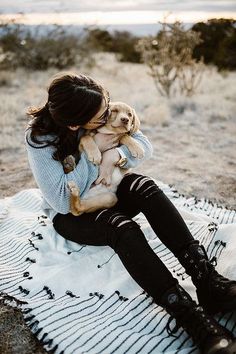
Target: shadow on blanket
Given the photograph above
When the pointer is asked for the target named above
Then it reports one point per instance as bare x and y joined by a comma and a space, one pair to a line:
80, 299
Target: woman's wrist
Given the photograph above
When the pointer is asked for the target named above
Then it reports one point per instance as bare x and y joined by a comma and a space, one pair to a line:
122, 160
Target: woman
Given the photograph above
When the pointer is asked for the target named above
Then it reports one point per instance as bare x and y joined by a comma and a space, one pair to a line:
75, 103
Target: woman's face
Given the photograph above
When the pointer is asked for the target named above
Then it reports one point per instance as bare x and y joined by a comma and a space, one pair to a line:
99, 119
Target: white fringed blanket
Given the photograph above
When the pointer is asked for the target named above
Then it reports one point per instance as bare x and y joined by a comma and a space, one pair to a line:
80, 299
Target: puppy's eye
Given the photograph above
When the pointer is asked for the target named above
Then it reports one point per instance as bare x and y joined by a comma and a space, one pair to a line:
114, 110
129, 114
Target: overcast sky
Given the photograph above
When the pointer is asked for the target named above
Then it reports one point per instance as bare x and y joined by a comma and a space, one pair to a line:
114, 12
13, 6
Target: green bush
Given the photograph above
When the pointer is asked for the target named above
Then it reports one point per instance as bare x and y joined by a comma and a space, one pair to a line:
218, 42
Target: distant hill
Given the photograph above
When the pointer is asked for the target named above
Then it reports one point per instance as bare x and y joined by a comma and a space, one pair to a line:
135, 29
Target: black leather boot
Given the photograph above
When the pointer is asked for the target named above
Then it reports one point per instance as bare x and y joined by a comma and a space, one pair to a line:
207, 334
215, 293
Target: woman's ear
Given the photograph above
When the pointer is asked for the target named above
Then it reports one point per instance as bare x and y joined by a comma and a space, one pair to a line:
75, 127
135, 123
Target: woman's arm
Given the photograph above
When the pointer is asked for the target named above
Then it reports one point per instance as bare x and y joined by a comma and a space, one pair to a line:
51, 179
134, 161
112, 156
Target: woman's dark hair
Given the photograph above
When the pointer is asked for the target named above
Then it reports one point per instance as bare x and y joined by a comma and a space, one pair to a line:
72, 100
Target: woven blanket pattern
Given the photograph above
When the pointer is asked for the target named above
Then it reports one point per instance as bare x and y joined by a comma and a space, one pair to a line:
80, 299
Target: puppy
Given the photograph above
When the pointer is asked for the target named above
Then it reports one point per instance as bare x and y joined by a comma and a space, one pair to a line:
122, 121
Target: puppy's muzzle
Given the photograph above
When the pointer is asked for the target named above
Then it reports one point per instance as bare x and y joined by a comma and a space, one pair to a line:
124, 120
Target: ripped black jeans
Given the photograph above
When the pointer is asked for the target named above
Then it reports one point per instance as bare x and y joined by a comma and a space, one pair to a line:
114, 227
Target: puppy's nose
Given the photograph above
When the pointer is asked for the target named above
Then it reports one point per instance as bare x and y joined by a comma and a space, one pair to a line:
124, 120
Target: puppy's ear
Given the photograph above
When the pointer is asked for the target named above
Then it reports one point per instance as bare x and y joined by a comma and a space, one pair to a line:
135, 123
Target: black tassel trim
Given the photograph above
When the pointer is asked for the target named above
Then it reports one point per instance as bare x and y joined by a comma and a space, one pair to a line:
54, 349
51, 295
39, 236
27, 319
38, 331
212, 226
48, 342
30, 260
101, 265
33, 245
122, 298
69, 252
27, 310
34, 325
44, 336
25, 291
100, 296
69, 293
26, 275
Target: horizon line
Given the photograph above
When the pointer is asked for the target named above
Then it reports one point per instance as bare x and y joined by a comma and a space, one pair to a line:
113, 17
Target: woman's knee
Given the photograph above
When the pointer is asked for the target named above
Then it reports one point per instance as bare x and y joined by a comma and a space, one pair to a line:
138, 186
119, 227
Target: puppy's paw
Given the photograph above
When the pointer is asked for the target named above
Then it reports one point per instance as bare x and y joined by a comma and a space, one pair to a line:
137, 151
69, 164
95, 157
74, 189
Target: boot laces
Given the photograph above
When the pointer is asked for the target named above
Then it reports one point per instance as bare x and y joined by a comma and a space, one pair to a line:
216, 279
196, 323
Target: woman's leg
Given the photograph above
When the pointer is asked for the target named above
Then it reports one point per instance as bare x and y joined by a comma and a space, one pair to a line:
215, 292
113, 228
139, 193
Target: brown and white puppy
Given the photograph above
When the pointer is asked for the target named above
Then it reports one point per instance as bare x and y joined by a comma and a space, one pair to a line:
123, 121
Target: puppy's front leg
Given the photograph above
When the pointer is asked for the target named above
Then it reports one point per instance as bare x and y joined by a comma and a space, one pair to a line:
75, 201
88, 145
134, 147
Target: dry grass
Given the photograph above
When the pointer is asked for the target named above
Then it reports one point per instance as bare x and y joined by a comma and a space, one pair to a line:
15, 336
193, 139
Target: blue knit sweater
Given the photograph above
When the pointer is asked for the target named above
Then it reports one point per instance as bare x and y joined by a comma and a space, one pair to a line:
52, 181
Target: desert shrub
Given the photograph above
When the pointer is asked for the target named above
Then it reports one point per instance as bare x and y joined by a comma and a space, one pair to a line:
169, 58
218, 44
19, 48
120, 42
56, 47
99, 39
124, 45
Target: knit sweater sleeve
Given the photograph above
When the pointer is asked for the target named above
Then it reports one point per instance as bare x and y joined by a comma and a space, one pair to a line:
146, 145
51, 179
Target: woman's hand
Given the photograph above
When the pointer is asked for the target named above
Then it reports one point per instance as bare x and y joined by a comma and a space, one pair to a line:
106, 168
106, 141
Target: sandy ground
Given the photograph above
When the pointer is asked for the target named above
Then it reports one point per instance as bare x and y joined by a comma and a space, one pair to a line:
194, 142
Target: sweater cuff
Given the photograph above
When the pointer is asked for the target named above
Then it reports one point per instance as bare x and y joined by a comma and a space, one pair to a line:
121, 152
